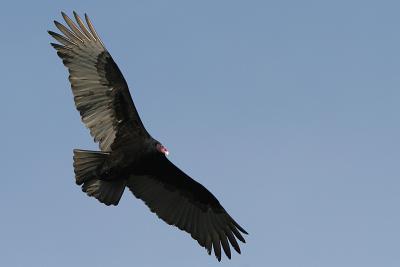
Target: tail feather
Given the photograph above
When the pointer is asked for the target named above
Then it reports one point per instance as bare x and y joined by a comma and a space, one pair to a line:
86, 166
86, 163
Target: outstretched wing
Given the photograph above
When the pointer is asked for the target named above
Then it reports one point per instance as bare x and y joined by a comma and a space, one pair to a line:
100, 91
181, 201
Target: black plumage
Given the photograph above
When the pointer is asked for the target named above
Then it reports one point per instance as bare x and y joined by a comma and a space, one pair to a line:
129, 156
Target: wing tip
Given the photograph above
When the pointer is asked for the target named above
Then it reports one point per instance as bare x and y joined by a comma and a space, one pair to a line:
241, 229
56, 46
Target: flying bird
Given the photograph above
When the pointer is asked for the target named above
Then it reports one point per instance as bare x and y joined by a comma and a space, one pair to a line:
130, 156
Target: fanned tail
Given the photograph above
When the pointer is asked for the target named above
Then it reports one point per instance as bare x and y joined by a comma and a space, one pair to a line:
86, 166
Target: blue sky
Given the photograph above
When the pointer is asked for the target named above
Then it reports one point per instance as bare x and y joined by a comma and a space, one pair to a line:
288, 111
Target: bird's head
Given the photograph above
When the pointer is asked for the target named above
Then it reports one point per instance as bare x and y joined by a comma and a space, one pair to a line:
162, 149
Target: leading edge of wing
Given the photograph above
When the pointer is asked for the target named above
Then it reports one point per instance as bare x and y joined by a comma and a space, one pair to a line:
100, 91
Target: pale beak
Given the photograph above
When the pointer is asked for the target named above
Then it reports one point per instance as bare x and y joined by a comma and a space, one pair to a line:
164, 150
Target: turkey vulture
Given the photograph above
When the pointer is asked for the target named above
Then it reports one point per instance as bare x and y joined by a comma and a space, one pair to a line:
129, 156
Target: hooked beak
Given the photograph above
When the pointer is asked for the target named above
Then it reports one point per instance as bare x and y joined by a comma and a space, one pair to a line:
163, 150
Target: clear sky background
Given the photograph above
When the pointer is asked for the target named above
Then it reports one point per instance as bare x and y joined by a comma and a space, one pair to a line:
288, 111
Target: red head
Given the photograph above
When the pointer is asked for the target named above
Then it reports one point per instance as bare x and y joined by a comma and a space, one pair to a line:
162, 149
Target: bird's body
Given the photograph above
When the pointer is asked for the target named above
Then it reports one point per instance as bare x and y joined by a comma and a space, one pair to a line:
129, 156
